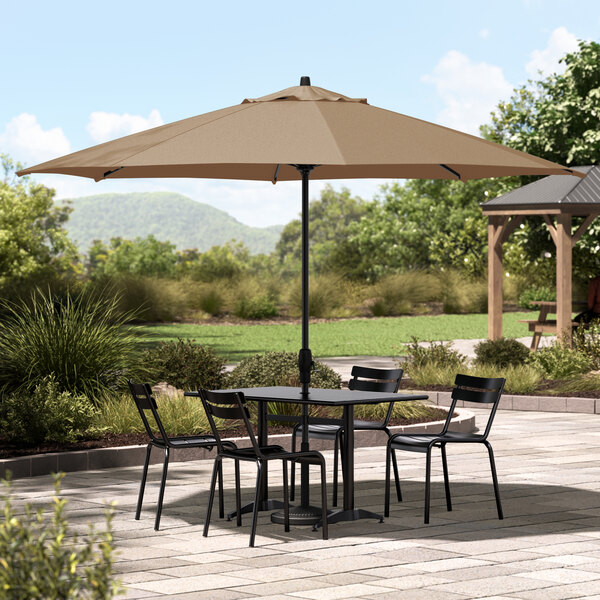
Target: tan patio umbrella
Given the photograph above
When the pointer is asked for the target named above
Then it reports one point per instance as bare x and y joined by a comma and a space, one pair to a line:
300, 131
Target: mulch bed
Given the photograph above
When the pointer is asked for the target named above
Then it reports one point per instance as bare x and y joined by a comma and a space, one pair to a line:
113, 440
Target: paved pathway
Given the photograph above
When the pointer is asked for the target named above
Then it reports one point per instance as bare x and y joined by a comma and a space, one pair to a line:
547, 547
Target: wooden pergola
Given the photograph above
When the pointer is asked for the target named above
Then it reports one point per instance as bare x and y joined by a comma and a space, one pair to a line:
557, 198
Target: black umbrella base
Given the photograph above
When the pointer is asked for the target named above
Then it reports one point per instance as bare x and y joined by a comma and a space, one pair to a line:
299, 515
336, 516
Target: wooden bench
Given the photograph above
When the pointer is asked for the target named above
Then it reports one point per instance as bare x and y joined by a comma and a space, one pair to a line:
544, 325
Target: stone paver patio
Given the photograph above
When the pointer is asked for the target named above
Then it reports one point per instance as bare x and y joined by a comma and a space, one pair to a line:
547, 547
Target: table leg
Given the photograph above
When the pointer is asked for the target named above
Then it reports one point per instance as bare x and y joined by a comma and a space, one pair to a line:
305, 514
349, 513
263, 439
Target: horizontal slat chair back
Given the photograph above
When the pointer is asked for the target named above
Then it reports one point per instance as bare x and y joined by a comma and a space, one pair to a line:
376, 380
145, 401
482, 390
230, 406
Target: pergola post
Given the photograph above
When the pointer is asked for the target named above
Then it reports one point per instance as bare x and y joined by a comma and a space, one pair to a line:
564, 306
495, 225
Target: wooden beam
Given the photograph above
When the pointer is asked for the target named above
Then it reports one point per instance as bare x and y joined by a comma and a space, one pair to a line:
511, 226
582, 229
564, 307
495, 226
551, 228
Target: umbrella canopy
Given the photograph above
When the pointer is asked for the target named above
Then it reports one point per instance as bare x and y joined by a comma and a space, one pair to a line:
264, 138
299, 132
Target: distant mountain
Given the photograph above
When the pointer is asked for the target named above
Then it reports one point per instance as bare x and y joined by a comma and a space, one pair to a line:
168, 217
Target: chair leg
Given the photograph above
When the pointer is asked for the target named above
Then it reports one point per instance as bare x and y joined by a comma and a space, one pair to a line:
221, 502
324, 501
335, 470
427, 484
388, 454
396, 477
446, 479
495, 479
238, 495
259, 477
286, 497
161, 493
211, 496
143, 483
293, 468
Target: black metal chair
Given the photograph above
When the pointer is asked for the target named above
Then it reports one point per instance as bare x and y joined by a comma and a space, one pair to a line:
468, 389
145, 402
365, 379
231, 406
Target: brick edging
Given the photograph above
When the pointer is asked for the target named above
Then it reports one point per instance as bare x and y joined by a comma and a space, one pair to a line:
536, 403
128, 456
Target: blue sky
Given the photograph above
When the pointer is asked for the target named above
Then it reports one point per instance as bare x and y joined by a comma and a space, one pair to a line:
78, 73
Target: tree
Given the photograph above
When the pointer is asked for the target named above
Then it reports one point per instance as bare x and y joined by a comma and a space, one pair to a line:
32, 239
422, 224
142, 256
557, 118
329, 219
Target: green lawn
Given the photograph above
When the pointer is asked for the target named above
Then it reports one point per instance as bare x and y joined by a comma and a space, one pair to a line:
352, 337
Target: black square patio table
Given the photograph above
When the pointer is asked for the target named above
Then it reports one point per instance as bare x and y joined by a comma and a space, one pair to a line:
306, 514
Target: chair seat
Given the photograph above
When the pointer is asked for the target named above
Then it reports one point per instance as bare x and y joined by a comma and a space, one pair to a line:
250, 453
189, 441
420, 442
359, 424
321, 432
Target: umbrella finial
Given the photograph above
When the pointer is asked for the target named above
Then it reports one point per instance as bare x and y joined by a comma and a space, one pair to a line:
305, 80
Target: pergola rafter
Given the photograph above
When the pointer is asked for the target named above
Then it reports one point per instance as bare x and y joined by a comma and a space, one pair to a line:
557, 198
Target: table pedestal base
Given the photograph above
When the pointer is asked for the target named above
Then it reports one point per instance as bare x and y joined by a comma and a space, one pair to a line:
348, 515
264, 505
308, 515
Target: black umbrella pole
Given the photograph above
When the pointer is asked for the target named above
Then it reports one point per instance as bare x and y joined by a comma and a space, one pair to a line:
305, 361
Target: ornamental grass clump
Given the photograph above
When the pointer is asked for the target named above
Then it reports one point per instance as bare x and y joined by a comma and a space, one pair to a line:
82, 342
42, 559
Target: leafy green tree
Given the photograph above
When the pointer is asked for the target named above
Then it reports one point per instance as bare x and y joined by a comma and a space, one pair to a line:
142, 256
423, 224
33, 241
220, 262
329, 219
557, 118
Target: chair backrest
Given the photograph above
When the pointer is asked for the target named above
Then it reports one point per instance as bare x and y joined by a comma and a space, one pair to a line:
144, 400
228, 406
376, 380
482, 390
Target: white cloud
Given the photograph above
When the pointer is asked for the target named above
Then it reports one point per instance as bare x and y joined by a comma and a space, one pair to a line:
469, 90
104, 126
25, 140
546, 60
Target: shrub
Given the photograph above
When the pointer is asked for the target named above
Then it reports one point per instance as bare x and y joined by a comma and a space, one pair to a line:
211, 301
147, 299
520, 379
501, 353
46, 415
533, 293
42, 558
179, 415
428, 374
587, 341
253, 300
281, 368
461, 295
435, 353
81, 342
183, 364
558, 361
326, 295
398, 294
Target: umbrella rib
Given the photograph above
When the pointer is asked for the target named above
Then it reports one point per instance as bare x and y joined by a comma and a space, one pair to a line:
456, 173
